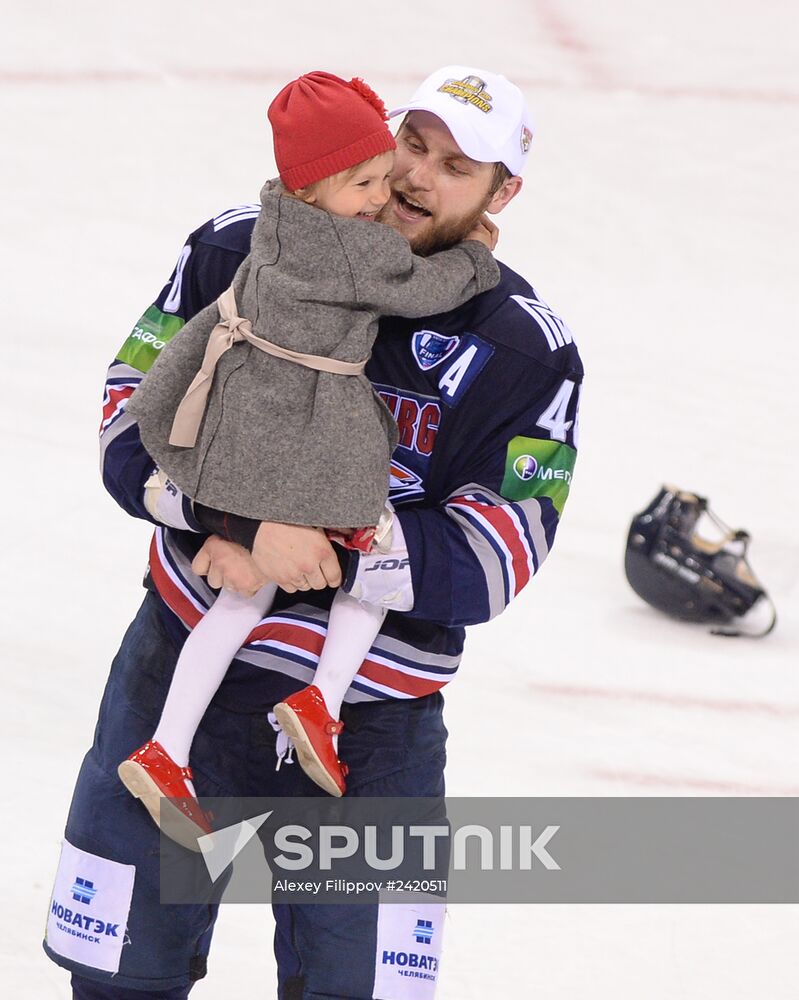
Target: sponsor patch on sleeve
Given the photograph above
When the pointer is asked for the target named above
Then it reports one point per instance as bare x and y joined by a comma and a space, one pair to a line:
89, 909
408, 949
535, 467
148, 338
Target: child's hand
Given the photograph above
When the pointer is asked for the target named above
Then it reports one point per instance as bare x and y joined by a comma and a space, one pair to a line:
484, 232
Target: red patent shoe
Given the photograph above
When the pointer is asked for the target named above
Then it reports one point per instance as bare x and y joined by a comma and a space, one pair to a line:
151, 775
305, 718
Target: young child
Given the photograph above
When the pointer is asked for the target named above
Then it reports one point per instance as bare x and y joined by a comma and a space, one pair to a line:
241, 419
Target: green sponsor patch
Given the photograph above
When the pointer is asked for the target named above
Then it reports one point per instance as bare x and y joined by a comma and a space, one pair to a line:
153, 331
536, 468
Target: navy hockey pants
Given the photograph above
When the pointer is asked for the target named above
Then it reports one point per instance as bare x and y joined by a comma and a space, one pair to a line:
138, 947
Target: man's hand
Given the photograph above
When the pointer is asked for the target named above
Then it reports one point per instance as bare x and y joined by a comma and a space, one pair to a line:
228, 565
295, 557
485, 232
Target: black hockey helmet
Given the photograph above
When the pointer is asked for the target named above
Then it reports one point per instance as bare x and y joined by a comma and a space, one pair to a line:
694, 578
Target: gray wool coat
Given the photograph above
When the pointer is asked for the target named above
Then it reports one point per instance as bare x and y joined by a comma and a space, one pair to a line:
279, 441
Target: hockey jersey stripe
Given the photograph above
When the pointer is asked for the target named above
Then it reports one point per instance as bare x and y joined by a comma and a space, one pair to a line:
236, 215
296, 662
121, 383
282, 634
120, 371
497, 547
555, 336
392, 651
524, 557
168, 585
396, 681
534, 545
114, 403
505, 534
531, 515
395, 653
382, 656
289, 637
534, 517
283, 637
116, 429
491, 560
552, 326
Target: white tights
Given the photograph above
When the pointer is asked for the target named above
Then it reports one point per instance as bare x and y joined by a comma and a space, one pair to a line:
213, 643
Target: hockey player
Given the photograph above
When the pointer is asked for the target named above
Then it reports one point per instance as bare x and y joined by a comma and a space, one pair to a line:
486, 400
226, 423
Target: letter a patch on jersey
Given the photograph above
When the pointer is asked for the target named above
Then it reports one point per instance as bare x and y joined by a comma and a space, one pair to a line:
463, 368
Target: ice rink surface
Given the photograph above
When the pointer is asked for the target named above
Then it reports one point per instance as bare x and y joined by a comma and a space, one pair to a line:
659, 217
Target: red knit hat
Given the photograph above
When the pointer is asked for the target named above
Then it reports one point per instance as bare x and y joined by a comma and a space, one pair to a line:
323, 125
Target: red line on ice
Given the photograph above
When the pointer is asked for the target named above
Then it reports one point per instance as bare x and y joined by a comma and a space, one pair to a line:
564, 34
698, 784
673, 700
260, 77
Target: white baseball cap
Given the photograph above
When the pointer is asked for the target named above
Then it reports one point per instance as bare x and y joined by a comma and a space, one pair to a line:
486, 114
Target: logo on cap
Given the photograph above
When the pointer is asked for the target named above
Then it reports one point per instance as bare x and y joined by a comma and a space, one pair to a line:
469, 90
525, 138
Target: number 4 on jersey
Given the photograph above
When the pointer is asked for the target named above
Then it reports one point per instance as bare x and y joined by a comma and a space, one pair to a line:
553, 419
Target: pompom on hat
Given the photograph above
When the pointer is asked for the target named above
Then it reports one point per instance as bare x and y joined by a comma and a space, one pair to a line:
322, 125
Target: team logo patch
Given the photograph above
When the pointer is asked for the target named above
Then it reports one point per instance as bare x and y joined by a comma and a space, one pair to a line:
469, 90
430, 348
404, 483
535, 467
525, 139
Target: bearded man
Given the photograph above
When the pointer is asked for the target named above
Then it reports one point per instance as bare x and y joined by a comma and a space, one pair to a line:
486, 401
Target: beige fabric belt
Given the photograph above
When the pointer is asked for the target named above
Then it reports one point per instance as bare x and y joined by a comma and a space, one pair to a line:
230, 329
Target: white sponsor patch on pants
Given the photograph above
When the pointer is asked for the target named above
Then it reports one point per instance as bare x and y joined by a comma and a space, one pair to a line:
89, 908
409, 939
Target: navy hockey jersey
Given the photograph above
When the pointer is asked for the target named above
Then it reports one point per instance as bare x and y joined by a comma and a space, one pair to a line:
486, 398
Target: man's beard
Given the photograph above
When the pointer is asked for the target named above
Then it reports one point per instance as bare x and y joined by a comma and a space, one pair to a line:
440, 236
